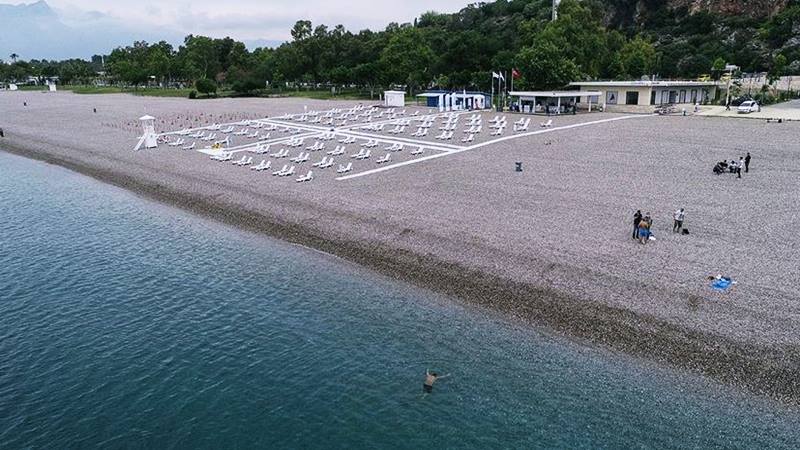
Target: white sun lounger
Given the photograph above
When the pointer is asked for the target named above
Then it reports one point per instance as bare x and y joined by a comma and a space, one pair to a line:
385, 159
547, 124
282, 171
345, 169
189, 147
365, 155
418, 151
307, 177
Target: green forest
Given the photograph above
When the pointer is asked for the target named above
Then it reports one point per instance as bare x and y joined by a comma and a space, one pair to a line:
591, 39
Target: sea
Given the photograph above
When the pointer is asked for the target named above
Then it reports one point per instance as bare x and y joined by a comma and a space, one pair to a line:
125, 323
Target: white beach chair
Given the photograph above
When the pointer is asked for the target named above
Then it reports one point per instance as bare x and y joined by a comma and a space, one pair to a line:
323, 161
240, 161
282, 171
264, 166
418, 151
289, 172
365, 155
385, 159
189, 147
547, 124
307, 177
469, 138
359, 154
345, 169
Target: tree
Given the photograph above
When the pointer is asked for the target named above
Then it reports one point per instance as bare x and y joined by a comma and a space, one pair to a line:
406, 59
546, 66
301, 30
778, 69
14, 57
638, 57
206, 86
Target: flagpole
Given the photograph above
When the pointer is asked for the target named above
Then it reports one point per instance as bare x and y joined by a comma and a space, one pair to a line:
492, 88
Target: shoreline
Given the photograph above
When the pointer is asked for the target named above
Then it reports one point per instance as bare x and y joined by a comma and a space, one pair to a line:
766, 370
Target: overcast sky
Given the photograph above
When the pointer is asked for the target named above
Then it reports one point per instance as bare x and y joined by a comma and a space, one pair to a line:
250, 19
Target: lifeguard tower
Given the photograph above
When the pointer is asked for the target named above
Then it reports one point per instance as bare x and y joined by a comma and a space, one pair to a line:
149, 139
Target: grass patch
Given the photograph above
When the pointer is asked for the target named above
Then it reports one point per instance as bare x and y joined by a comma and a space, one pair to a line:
324, 95
184, 93
150, 92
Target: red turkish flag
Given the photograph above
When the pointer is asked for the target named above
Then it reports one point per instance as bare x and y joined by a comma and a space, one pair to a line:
515, 73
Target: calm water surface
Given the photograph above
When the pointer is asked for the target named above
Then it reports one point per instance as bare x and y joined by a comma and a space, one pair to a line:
127, 324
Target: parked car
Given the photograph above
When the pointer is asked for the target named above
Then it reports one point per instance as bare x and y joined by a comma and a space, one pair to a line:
739, 100
748, 107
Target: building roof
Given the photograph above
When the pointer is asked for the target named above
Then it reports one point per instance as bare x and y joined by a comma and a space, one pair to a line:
555, 94
147, 118
640, 83
395, 92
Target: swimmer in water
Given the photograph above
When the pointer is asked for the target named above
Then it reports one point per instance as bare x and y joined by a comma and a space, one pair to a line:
430, 378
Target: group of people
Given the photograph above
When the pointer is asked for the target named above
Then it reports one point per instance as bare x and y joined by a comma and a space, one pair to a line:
734, 166
643, 224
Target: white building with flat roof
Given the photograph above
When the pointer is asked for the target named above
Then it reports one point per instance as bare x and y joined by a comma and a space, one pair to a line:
394, 98
644, 93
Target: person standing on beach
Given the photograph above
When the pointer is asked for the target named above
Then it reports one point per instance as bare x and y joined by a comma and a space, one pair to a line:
644, 228
739, 166
637, 219
747, 163
679, 215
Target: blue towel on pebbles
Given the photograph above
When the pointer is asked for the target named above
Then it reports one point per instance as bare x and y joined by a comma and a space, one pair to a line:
722, 284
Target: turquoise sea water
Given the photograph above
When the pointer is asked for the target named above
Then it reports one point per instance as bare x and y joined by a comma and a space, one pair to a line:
127, 324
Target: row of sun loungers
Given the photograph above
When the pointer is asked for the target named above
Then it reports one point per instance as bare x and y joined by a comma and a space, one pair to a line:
339, 150
362, 154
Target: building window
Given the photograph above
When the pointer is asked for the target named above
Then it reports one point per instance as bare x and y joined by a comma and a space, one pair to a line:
683, 96
632, 98
673, 96
694, 95
611, 97
664, 97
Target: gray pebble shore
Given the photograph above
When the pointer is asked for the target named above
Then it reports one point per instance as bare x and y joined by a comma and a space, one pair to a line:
550, 245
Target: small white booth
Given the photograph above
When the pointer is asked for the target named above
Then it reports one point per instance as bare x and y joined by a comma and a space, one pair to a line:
394, 99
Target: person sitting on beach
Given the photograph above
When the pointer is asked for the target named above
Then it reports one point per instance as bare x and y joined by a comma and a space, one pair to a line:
430, 378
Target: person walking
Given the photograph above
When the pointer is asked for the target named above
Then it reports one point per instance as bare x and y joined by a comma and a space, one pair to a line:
739, 167
677, 223
747, 163
637, 219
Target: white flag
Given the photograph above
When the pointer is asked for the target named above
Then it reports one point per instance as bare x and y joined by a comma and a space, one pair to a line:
502, 77
495, 75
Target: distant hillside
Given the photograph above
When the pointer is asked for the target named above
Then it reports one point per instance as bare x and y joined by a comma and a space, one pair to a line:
35, 31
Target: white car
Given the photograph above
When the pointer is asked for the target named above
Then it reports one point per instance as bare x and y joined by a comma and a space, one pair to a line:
748, 107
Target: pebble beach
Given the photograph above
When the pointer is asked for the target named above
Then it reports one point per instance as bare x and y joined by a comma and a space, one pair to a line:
550, 246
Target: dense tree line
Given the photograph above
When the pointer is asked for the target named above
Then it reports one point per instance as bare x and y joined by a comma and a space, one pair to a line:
589, 40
